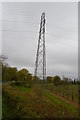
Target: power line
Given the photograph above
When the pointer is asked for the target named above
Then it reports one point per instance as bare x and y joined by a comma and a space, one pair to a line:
19, 31
50, 35
36, 23
22, 15
19, 22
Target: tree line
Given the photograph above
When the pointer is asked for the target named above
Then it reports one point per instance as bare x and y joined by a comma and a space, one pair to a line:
12, 74
56, 80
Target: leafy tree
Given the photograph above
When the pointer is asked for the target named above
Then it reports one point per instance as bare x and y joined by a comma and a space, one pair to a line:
9, 73
29, 78
12, 73
57, 80
49, 79
5, 73
0, 70
22, 75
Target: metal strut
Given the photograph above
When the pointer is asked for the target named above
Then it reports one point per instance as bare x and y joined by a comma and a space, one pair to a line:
40, 64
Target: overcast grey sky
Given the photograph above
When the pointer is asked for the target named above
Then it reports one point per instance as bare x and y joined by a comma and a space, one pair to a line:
20, 36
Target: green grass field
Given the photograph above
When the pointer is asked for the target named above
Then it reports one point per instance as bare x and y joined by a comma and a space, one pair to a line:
58, 101
23, 102
23, 89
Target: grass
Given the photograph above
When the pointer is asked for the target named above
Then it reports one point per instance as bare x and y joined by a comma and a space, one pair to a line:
22, 89
6, 111
58, 101
0, 106
0, 101
17, 102
64, 90
22, 102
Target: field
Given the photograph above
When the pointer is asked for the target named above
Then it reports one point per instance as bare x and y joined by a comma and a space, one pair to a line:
0, 101
40, 101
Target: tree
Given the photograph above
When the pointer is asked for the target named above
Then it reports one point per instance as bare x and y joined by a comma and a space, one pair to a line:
74, 81
8, 73
5, 73
12, 73
65, 79
49, 79
0, 71
57, 80
22, 75
29, 78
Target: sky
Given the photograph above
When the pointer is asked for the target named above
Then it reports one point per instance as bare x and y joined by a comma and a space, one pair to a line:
0, 28
20, 25
39, 0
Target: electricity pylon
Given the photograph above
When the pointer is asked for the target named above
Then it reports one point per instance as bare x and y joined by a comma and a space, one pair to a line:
40, 65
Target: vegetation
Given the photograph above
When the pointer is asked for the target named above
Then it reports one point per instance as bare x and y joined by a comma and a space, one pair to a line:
11, 74
24, 103
0, 101
0, 71
26, 96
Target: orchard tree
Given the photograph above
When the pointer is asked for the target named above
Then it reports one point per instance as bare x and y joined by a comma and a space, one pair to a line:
65, 80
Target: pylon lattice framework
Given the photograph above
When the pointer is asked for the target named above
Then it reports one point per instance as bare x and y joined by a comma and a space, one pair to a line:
40, 65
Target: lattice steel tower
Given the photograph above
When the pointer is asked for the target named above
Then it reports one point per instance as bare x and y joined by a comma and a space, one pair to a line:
40, 65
